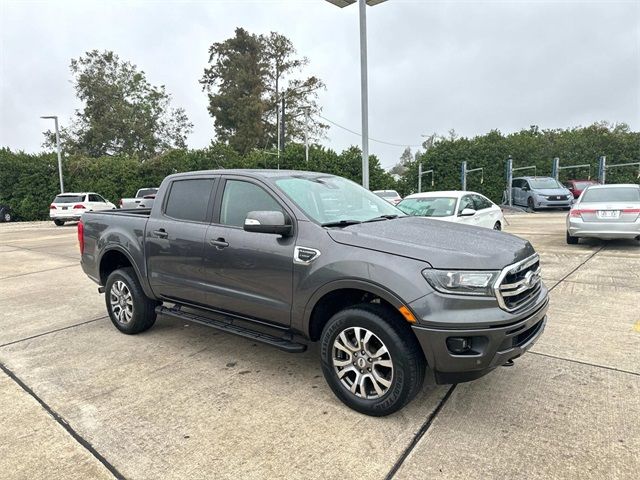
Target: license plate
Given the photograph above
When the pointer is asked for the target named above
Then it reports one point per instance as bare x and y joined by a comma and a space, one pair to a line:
64, 208
608, 213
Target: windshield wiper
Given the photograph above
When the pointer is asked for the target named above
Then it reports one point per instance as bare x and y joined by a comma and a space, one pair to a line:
341, 223
381, 217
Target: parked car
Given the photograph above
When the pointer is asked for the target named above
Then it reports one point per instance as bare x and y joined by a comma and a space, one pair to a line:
5, 213
68, 207
143, 199
390, 196
576, 187
454, 206
606, 212
390, 297
540, 192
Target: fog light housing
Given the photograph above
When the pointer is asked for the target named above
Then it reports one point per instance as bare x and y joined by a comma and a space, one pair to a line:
459, 345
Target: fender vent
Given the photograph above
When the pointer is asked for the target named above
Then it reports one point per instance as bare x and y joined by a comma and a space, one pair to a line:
305, 255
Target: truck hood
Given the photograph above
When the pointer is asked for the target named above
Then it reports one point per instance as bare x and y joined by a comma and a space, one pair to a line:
443, 245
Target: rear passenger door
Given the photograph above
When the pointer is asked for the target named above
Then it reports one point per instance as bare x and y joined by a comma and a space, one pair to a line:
174, 239
248, 273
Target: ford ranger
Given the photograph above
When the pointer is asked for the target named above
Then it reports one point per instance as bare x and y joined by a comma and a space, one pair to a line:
287, 258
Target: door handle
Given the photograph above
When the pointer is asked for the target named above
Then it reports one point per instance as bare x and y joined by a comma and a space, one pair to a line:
160, 233
219, 243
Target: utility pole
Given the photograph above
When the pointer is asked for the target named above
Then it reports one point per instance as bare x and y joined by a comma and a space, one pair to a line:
55, 118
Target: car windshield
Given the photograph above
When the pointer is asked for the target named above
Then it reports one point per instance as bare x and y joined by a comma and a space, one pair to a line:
333, 199
544, 183
614, 194
387, 194
429, 206
143, 192
68, 199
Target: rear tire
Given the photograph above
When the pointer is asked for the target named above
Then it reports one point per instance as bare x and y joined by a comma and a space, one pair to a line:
130, 310
59, 223
7, 217
572, 240
387, 375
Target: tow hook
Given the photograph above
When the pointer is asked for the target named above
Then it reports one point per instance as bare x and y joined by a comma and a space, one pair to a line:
100, 289
508, 364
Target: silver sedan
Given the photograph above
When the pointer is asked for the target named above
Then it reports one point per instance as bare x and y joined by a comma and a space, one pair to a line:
606, 212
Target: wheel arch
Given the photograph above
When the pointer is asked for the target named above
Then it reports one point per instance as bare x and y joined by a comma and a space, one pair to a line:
115, 257
340, 294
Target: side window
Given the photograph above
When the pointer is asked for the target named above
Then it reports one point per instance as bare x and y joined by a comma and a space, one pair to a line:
242, 197
94, 198
516, 183
189, 199
465, 202
480, 202
525, 184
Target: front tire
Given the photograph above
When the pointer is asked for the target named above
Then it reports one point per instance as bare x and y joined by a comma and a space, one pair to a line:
497, 226
530, 204
572, 240
59, 223
130, 310
7, 217
371, 359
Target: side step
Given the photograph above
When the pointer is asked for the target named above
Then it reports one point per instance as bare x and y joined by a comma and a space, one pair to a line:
227, 326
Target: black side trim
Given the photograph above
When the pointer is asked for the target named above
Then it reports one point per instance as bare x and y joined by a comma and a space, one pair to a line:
226, 325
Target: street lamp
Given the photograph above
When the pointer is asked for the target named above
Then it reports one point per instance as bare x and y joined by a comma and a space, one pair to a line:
362, 4
55, 118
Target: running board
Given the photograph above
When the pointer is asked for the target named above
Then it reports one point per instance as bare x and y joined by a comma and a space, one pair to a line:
227, 326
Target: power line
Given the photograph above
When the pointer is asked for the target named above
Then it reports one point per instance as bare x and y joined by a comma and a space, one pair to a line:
370, 138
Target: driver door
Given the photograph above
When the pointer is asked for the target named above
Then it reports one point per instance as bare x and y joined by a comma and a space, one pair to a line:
467, 202
248, 273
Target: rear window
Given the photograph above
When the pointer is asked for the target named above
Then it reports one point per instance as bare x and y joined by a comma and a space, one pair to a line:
616, 194
68, 199
146, 191
189, 199
387, 194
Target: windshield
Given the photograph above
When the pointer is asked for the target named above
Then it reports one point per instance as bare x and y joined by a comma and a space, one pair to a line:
543, 183
387, 194
143, 192
429, 206
616, 194
68, 199
332, 199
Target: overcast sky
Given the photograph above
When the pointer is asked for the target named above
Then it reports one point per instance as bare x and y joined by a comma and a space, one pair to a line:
472, 66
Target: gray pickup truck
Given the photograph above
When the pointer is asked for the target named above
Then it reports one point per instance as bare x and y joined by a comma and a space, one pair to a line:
287, 258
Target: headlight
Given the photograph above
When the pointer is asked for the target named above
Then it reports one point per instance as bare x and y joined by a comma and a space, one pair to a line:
462, 282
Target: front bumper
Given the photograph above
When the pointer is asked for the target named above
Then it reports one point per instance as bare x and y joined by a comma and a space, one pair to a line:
603, 230
492, 346
544, 203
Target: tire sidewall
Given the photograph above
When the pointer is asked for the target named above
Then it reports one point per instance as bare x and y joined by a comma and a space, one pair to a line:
138, 298
399, 392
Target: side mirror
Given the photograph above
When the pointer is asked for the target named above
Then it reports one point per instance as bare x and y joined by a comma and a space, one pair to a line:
267, 222
467, 212
525, 189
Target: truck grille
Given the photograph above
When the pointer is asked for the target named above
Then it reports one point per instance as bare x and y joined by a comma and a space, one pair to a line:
519, 284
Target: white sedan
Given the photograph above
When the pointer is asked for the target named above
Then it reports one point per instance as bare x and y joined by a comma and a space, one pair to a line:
454, 206
68, 207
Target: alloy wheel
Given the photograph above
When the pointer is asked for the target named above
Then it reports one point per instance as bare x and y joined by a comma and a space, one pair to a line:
362, 363
121, 302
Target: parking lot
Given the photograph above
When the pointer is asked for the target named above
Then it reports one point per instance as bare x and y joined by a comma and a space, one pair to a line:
80, 400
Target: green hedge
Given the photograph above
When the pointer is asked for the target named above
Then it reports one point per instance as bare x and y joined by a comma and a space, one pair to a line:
528, 147
28, 183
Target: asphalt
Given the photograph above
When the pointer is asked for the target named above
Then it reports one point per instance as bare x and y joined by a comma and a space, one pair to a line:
80, 400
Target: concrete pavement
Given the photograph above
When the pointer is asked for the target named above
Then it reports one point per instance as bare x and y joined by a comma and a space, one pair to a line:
80, 400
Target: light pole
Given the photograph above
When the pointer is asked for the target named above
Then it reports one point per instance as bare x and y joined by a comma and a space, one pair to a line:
55, 118
362, 4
